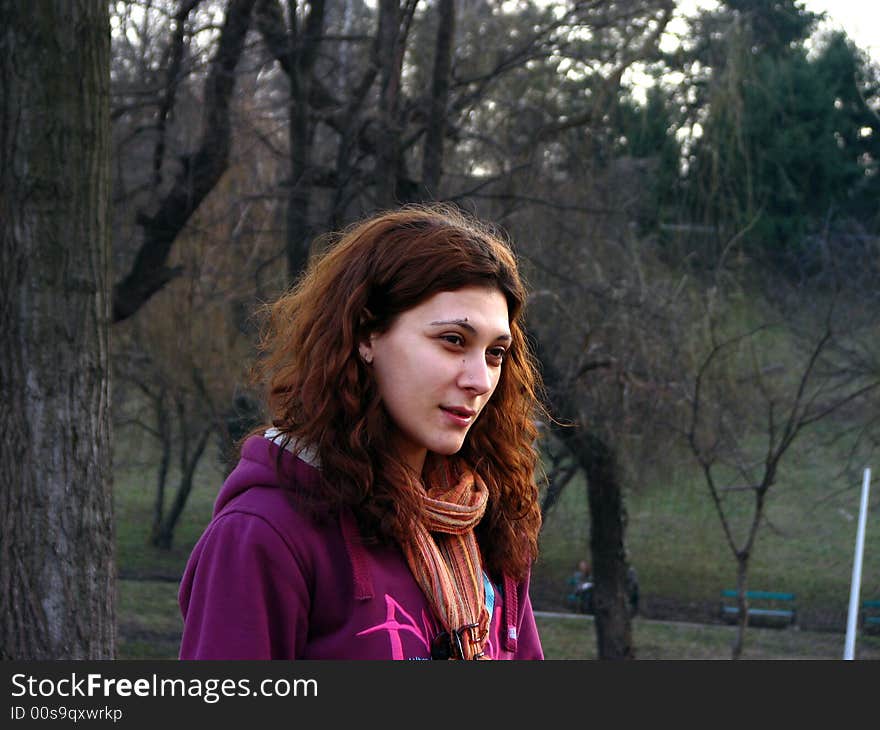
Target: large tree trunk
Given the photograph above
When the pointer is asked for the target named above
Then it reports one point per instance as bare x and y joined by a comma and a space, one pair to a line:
607, 525
57, 573
297, 52
389, 132
607, 516
435, 129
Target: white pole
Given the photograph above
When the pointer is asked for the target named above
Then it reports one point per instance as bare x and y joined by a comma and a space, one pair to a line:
855, 586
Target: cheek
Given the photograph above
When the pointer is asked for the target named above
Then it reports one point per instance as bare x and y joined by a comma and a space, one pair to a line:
430, 369
399, 373
495, 384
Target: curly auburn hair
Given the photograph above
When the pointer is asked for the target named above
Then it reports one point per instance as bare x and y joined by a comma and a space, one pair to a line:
321, 395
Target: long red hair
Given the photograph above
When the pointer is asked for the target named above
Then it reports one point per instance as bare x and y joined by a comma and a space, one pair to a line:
321, 395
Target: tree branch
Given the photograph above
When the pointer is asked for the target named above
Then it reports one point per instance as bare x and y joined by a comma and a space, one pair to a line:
197, 177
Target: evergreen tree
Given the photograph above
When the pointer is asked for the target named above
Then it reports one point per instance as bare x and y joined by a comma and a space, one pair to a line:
789, 147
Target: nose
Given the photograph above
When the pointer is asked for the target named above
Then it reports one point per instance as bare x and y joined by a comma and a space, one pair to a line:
476, 375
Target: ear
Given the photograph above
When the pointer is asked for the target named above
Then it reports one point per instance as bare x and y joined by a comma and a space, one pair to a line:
365, 349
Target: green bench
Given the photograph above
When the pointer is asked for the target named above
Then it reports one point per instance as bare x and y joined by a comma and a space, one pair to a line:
871, 616
765, 608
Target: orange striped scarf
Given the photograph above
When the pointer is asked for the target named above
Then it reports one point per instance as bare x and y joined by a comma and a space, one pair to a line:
445, 559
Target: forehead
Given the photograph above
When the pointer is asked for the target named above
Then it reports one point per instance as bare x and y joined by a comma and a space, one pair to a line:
480, 307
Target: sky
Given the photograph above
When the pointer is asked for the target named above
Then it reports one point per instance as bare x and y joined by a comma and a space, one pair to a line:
860, 19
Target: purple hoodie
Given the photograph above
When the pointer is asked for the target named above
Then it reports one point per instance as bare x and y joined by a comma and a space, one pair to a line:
264, 582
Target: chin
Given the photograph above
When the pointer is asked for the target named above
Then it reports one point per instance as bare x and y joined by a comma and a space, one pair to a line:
447, 449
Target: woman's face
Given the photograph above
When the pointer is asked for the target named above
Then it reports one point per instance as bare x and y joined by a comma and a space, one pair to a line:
437, 366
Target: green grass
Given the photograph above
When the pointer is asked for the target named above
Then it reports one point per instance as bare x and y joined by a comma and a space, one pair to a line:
674, 538
149, 620
575, 638
135, 495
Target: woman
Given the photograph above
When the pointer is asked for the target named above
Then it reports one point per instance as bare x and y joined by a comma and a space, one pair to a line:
390, 511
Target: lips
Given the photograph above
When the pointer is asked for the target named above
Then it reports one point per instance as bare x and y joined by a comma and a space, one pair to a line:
459, 411
458, 416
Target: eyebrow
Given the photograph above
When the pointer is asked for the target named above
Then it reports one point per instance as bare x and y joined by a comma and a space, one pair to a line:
463, 323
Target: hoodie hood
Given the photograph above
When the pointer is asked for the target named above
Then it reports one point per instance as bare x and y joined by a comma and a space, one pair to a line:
264, 464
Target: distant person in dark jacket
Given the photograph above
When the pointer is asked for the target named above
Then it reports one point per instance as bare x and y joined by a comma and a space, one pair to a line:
632, 590
582, 587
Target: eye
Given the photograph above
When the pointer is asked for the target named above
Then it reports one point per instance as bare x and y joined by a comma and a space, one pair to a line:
496, 354
453, 339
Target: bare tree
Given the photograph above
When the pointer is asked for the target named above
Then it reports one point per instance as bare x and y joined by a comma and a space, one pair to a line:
198, 172
749, 403
297, 50
607, 516
438, 105
181, 362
